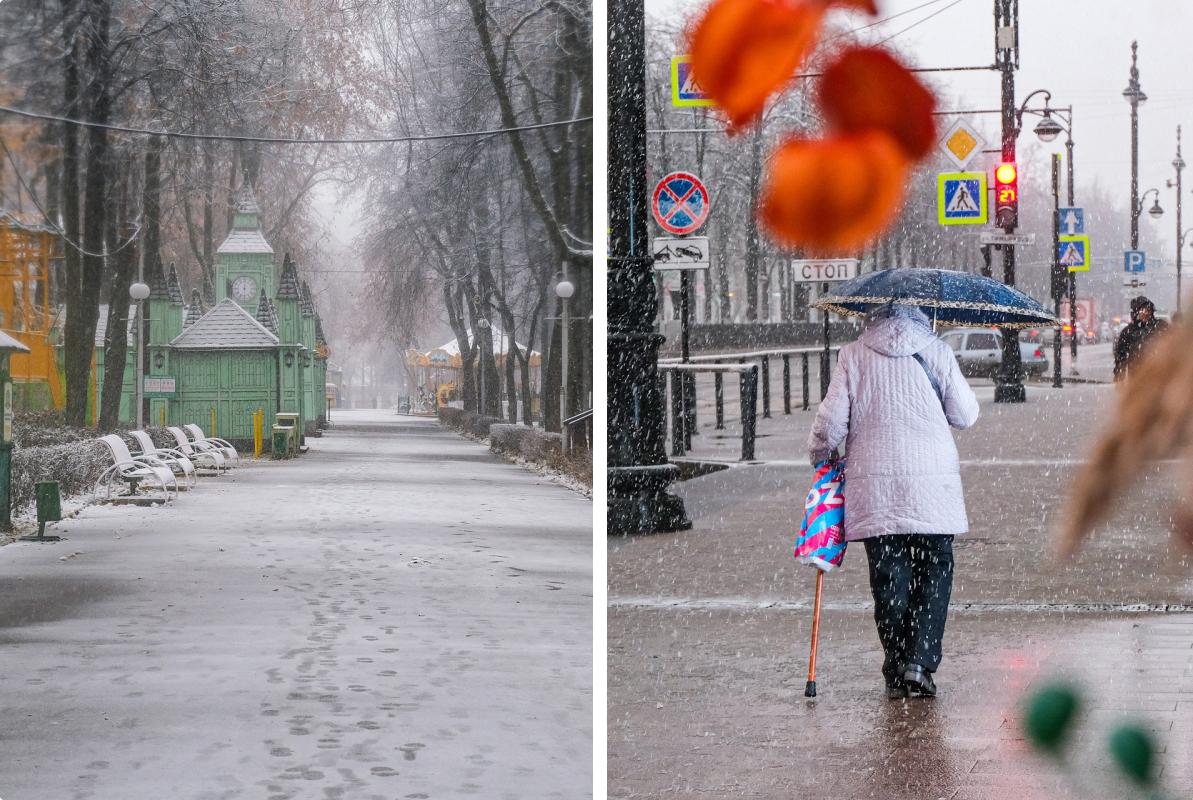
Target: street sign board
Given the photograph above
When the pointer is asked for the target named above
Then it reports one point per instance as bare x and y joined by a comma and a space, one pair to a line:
680, 203
823, 270
961, 198
690, 252
1134, 283
961, 143
1007, 238
1072, 221
1134, 261
1073, 253
160, 386
685, 92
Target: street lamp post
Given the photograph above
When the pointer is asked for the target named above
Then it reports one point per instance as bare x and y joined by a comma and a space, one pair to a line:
1047, 130
564, 290
139, 292
1136, 98
638, 500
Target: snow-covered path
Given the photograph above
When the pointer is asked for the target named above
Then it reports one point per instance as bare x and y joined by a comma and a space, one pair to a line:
395, 615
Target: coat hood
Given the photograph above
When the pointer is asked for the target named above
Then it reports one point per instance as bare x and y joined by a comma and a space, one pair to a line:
897, 330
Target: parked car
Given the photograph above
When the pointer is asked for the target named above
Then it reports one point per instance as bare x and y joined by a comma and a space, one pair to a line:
979, 352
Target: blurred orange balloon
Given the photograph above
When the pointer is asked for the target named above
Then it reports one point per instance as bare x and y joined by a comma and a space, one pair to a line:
869, 6
830, 197
744, 50
867, 88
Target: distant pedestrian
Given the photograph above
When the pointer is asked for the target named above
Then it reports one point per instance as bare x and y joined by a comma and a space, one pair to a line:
893, 396
1133, 338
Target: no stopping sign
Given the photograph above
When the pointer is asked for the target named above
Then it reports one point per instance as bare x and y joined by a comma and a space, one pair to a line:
680, 203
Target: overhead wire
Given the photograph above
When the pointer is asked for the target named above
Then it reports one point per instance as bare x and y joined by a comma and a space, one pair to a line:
916, 24
287, 140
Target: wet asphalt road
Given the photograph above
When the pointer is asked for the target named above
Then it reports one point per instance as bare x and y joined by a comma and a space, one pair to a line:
395, 615
709, 631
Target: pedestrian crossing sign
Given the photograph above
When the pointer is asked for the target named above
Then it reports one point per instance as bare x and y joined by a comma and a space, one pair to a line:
1072, 252
961, 198
685, 92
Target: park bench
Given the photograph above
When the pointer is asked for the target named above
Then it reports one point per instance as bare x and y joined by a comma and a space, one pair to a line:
223, 445
134, 470
203, 458
175, 459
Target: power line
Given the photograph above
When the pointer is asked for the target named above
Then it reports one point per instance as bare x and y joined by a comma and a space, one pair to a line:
921, 22
281, 140
911, 10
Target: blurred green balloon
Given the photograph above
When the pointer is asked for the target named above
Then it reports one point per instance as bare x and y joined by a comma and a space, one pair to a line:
1134, 752
1049, 716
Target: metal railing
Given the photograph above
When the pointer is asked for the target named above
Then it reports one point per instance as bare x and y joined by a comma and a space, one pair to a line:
584, 418
683, 402
763, 358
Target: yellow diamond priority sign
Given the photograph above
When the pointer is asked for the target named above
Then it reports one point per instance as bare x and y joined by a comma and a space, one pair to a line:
961, 143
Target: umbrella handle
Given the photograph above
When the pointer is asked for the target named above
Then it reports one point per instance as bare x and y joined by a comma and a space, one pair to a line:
810, 687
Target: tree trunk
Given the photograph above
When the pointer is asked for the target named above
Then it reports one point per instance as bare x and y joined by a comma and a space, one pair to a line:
116, 336
95, 205
76, 350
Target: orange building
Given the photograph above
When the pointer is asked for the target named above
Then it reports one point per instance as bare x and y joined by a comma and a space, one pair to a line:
26, 253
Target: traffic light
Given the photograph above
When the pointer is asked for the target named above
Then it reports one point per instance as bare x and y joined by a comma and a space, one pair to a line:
1006, 195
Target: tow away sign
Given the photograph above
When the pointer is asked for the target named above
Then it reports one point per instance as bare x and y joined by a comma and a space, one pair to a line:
689, 252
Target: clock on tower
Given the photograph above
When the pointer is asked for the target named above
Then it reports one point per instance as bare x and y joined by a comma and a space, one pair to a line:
244, 289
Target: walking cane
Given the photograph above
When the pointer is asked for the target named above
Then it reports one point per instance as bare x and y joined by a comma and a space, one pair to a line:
810, 687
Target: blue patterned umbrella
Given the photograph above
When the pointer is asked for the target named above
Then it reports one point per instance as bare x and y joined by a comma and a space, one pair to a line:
946, 296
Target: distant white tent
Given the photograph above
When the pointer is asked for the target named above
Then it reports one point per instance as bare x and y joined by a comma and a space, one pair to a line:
500, 344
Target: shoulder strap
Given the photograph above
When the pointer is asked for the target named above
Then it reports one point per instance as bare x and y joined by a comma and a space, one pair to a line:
931, 378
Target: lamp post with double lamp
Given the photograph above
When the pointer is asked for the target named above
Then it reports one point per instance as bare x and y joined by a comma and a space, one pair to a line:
564, 291
139, 292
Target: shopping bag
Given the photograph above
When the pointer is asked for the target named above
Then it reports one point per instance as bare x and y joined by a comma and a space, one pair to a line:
821, 540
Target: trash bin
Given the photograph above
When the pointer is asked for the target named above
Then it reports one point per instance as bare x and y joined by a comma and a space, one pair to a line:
49, 502
281, 441
289, 420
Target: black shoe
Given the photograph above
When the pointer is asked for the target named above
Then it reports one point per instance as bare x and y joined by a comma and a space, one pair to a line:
896, 690
919, 680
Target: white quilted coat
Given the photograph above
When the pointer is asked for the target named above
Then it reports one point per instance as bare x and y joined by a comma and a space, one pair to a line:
901, 473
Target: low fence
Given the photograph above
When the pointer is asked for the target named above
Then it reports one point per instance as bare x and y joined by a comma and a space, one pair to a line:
754, 372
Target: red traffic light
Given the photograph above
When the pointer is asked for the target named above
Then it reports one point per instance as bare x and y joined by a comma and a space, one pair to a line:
1006, 195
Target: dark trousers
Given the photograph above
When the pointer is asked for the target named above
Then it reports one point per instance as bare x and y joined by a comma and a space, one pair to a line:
911, 577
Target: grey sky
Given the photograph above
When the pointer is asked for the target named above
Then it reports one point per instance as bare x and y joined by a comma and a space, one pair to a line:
1080, 51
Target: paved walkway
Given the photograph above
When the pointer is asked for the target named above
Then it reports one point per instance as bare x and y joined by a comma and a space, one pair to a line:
709, 629
397, 614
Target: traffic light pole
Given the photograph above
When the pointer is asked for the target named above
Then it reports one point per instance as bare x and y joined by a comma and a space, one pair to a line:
1009, 380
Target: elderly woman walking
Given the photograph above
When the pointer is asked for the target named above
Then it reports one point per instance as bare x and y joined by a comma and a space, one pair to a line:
893, 395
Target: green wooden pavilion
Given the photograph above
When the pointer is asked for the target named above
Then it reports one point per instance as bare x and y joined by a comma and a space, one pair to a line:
256, 347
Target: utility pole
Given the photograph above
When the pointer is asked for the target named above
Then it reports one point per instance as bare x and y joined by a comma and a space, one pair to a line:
1009, 381
1072, 275
1059, 282
638, 472
1178, 164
